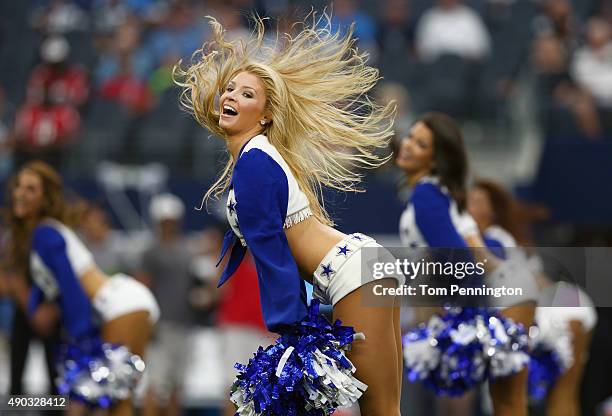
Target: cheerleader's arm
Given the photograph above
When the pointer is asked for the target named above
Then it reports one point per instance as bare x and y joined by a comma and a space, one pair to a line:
37, 296
75, 307
432, 216
43, 314
262, 193
495, 247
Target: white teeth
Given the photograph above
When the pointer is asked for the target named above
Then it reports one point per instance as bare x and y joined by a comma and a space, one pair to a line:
229, 107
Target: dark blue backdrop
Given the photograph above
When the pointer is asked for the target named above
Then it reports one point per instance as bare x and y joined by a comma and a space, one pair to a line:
375, 211
574, 180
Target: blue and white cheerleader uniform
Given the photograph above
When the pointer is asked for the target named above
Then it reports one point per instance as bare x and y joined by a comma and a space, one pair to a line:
551, 351
432, 218
265, 199
464, 346
58, 260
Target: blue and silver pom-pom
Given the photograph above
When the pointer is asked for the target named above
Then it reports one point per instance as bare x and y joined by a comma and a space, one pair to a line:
98, 373
464, 347
551, 355
305, 372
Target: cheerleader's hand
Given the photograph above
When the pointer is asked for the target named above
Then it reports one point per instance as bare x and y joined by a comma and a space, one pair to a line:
16, 287
466, 226
44, 319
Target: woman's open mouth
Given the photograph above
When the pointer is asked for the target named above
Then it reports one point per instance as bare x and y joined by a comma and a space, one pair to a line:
229, 111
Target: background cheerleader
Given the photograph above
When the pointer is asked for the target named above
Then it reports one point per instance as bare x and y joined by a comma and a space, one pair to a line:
288, 114
565, 313
67, 283
434, 159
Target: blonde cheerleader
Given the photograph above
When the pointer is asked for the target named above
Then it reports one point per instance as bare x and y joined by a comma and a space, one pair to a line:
295, 117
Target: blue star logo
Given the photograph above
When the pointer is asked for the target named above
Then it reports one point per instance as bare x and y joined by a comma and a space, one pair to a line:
232, 207
343, 250
327, 270
357, 237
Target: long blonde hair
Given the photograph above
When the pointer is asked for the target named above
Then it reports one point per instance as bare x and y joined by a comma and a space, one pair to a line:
323, 123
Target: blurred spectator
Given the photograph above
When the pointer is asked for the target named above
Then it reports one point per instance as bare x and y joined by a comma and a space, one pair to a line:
204, 294
592, 64
565, 108
110, 15
105, 244
395, 39
43, 131
452, 28
453, 43
128, 90
122, 72
550, 59
179, 35
347, 12
557, 19
396, 31
66, 83
166, 269
59, 16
